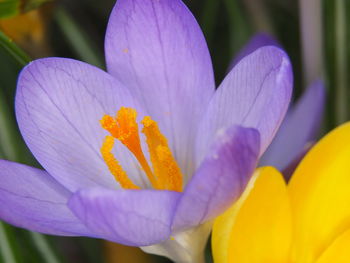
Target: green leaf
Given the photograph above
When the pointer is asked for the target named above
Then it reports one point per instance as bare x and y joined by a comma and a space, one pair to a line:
9, 8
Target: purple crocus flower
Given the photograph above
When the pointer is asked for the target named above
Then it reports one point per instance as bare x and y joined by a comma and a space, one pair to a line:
298, 132
203, 145
300, 127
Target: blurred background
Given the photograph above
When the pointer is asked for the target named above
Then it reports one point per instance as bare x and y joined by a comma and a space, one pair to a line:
314, 33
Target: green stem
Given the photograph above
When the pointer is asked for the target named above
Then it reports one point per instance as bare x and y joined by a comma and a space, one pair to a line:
19, 56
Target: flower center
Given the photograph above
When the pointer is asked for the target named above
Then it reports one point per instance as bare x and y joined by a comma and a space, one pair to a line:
165, 173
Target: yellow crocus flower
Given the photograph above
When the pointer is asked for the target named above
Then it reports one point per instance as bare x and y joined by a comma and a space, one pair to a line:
306, 221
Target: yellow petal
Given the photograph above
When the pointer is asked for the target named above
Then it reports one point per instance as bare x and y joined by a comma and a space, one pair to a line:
257, 229
338, 251
320, 195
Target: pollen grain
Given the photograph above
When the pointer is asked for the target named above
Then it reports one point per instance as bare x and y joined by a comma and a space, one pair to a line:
164, 164
113, 165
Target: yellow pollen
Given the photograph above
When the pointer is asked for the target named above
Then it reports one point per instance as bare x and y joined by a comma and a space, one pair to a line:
164, 164
113, 165
166, 173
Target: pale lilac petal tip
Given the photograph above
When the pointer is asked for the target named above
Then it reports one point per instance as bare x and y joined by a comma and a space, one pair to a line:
30, 198
257, 41
298, 130
129, 217
59, 105
158, 51
256, 93
221, 178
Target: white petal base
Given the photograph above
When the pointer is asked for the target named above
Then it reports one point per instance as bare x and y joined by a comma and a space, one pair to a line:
184, 247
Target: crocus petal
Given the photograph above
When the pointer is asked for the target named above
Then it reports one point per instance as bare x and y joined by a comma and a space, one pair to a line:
129, 217
220, 179
257, 41
298, 129
30, 198
157, 50
256, 94
258, 228
320, 196
337, 252
59, 105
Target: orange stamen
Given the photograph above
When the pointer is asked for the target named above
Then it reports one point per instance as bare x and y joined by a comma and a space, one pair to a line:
166, 173
164, 164
124, 127
113, 165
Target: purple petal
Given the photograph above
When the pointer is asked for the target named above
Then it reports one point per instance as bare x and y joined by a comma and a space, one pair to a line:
221, 178
257, 41
255, 94
30, 198
299, 128
59, 104
289, 170
129, 217
158, 51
